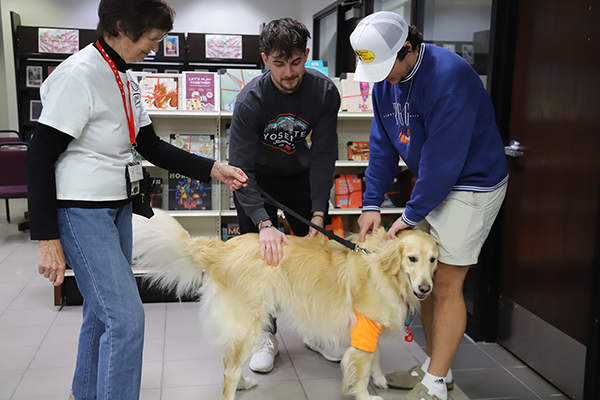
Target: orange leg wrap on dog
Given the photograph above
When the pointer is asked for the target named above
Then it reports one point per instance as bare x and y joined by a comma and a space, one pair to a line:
365, 335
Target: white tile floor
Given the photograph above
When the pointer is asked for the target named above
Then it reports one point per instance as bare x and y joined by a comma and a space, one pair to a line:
38, 346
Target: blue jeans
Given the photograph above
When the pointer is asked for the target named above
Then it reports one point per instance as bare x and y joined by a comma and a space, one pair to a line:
97, 246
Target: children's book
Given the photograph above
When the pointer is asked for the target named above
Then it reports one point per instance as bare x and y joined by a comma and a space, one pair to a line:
160, 91
356, 96
201, 91
358, 151
188, 194
202, 145
232, 83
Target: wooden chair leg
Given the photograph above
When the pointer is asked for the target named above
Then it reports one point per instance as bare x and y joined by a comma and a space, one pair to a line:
58, 295
24, 226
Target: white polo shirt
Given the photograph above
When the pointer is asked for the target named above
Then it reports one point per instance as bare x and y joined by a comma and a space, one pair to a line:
82, 99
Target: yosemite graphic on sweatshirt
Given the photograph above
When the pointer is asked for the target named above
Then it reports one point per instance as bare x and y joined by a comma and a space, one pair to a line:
284, 132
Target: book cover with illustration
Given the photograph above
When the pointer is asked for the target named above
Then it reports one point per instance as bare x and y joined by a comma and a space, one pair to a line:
319, 65
156, 194
358, 151
232, 83
201, 91
188, 194
160, 91
202, 145
356, 96
229, 230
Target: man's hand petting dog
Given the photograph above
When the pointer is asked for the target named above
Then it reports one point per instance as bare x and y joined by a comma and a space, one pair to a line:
271, 246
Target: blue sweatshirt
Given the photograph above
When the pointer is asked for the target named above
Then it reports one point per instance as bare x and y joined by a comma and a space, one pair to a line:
440, 121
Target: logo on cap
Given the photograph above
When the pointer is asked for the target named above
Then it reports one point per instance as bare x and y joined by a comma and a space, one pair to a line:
365, 55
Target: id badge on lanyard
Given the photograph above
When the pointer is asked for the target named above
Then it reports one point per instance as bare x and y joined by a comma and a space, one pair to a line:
133, 170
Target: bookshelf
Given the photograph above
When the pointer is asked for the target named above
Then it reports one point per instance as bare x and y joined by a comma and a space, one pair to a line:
351, 127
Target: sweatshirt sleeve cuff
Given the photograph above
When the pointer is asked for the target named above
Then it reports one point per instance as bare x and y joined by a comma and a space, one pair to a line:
409, 221
320, 205
371, 208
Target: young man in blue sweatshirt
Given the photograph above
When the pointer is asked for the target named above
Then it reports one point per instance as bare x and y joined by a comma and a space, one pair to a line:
431, 109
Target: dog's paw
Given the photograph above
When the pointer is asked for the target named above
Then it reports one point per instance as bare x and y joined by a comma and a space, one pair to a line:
380, 382
246, 383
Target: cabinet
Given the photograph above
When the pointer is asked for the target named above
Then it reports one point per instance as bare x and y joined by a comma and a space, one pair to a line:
351, 127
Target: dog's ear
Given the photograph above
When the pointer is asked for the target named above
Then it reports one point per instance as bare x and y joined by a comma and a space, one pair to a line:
390, 256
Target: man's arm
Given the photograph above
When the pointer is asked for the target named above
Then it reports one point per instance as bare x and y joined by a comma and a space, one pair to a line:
323, 152
243, 143
383, 166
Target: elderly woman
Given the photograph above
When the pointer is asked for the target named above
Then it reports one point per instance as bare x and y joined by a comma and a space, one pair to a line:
91, 128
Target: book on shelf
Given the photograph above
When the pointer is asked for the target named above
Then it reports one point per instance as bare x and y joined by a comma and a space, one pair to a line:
201, 91
229, 230
232, 83
202, 145
356, 96
160, 91
358, 151
186, 193
227, 138
156, 192
231, 202
348, 191
319, 65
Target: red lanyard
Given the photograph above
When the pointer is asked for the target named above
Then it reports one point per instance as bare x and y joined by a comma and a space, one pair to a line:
126, 104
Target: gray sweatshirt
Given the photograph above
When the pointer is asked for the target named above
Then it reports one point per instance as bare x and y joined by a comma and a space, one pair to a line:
269, 130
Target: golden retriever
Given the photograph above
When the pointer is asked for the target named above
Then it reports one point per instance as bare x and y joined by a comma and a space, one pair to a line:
318, 286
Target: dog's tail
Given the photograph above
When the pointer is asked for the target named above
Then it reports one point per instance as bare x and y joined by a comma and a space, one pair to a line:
162, 245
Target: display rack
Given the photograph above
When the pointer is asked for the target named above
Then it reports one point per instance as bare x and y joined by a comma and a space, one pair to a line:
190, 57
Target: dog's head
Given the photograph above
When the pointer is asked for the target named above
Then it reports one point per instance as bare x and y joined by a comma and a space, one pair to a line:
414, 254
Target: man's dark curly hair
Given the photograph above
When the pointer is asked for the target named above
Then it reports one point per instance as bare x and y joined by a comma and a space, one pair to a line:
284, 36
133, 17
415, 38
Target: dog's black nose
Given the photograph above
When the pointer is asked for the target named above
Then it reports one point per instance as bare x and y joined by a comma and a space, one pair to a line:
424, 288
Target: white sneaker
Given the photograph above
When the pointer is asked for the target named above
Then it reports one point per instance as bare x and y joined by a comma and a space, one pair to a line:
328, 351
264, 359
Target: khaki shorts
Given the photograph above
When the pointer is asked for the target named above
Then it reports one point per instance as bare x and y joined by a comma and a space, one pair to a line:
461, 224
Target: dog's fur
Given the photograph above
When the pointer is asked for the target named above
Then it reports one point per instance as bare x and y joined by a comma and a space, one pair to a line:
317, 285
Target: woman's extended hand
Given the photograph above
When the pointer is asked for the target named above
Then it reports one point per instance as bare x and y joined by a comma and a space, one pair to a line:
229, 175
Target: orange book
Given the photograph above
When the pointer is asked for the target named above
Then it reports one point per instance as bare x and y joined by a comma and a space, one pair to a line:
358, 151
348, 191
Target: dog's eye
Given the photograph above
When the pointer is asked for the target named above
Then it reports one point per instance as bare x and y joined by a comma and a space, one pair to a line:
412, 259
432, 260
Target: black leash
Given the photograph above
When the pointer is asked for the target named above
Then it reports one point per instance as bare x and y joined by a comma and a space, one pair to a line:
352, 246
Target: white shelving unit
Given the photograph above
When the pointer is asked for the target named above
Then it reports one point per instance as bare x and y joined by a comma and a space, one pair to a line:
351, 127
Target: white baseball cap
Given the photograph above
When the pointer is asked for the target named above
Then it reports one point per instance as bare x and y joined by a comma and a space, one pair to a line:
376, 41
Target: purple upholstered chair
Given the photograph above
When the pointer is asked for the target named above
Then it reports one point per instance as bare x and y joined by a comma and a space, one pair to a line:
13, 178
